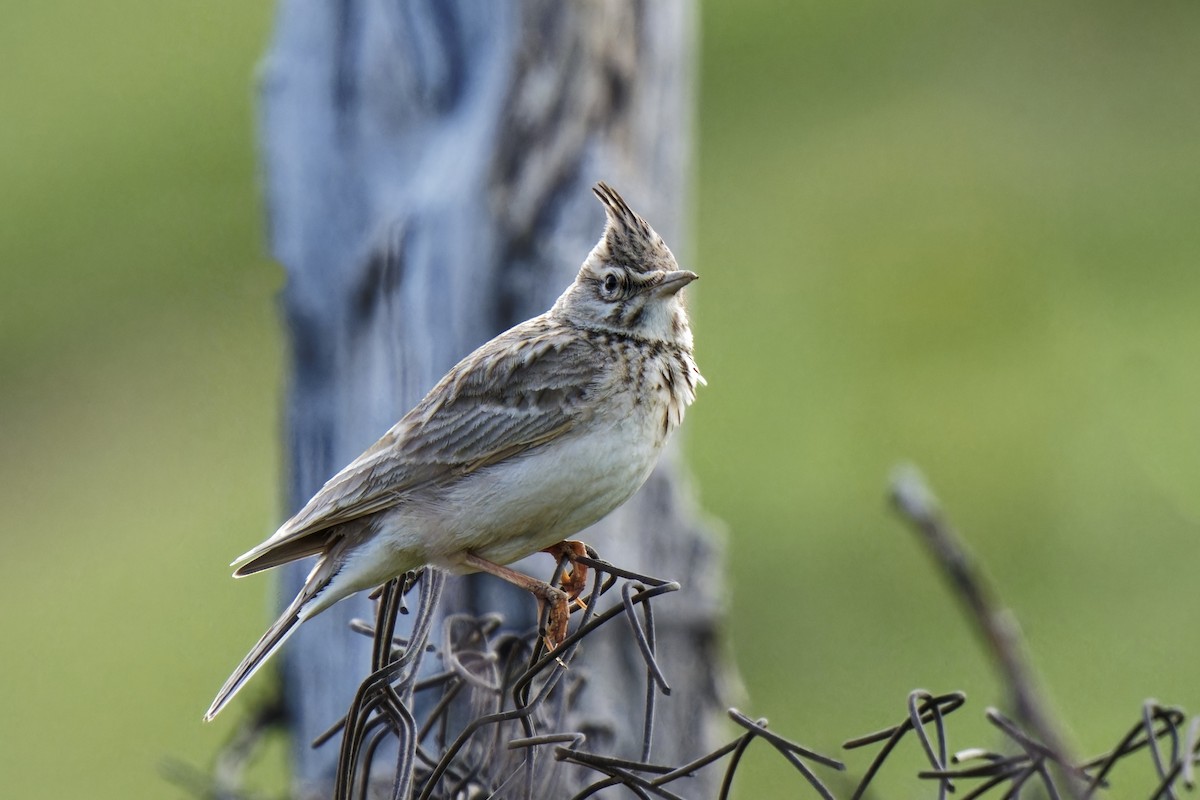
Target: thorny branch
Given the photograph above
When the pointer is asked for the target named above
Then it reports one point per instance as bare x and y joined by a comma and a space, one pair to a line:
494, 718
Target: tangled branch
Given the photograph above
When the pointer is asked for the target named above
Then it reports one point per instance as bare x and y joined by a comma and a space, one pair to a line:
495, 718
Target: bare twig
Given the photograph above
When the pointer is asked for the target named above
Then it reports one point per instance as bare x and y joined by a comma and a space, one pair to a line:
445, 762
496, 719
995, 624
502, 699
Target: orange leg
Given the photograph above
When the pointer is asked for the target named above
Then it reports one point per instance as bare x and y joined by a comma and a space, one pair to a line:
575, 581
547, 595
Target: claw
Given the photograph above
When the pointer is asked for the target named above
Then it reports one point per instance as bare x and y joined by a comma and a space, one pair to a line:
555, 631
575, 581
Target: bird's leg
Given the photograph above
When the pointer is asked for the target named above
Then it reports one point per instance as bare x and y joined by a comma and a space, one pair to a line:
574, 582
556, 599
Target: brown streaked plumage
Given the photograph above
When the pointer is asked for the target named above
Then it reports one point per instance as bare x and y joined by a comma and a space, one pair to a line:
534, 436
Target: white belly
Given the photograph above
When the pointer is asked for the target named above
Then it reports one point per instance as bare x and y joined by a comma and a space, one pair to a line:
507, 511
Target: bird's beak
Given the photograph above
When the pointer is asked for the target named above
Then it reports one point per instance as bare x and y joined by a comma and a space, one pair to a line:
673, 281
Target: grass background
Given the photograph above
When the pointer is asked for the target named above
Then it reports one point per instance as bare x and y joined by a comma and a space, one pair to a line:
962, 234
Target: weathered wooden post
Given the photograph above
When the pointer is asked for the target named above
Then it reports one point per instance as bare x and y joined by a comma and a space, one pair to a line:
427, 166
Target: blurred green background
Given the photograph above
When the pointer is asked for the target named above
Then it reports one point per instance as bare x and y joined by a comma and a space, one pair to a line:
962, 234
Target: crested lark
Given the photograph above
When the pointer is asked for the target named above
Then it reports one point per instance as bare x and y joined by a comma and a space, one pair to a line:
531, 438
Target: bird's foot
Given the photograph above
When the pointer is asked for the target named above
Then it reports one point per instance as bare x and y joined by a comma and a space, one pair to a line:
575, 581
554, 631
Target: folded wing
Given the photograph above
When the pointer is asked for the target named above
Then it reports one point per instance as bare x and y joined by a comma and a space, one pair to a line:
518, 392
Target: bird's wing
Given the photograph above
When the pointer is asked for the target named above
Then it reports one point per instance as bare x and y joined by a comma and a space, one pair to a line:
521, 390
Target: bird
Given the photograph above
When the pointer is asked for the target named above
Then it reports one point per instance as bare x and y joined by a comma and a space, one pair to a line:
534, 436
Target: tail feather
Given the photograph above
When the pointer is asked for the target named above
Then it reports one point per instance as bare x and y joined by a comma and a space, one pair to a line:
311, 600
275, 636
317, 595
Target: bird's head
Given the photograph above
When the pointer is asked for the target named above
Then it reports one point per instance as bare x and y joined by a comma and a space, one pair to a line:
630, 282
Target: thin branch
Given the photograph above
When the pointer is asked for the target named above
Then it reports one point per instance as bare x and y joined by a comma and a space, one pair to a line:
495, 719
996, 625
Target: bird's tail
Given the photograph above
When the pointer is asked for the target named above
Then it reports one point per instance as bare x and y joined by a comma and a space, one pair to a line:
275, 636
319, 593
299, 610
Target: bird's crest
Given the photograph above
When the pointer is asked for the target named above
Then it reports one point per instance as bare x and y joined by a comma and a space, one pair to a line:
628, 240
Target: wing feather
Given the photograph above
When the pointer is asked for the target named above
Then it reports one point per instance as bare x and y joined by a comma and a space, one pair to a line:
523, 389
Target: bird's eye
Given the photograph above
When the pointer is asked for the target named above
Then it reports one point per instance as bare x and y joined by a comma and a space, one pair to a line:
610, 284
